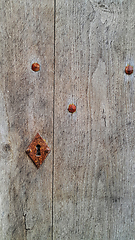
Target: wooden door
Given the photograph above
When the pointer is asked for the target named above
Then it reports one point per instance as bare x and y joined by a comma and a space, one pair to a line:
85, 188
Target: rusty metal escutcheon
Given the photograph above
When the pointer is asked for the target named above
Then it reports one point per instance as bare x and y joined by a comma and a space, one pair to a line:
38, 150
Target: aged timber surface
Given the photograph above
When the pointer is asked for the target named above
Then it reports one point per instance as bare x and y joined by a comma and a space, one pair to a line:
94, 164
94, 148
26, 107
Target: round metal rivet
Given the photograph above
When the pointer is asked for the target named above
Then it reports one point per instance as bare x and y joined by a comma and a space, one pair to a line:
35, 67
128, 69
72, 108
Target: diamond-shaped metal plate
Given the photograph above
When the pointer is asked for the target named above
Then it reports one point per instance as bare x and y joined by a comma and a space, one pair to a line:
38, 150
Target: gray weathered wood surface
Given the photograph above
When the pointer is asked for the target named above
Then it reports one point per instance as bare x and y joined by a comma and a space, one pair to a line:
85, 188
26, 107
94, 177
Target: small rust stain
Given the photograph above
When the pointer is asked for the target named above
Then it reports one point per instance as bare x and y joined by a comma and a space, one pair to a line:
35, 67
72, 108
128, 69
32, 150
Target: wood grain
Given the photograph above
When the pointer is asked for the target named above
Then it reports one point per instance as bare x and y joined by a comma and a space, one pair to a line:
93, 185
94, 180
26, 106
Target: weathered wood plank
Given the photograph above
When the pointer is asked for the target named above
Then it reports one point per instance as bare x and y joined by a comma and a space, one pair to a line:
94, 180
26, 108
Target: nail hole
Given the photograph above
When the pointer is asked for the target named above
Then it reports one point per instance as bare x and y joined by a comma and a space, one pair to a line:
6, 147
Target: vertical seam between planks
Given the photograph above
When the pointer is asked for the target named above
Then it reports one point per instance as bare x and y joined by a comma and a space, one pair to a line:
53, 116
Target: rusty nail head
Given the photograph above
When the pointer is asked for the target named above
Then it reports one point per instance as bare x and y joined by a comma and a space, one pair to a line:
47, 150
128, 69
35, 67
28, 151
72, 108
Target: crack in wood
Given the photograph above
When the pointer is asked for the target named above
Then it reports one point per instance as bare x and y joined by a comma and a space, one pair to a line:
25, 224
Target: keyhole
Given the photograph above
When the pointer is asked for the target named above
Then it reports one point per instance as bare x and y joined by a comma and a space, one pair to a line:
38, 150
